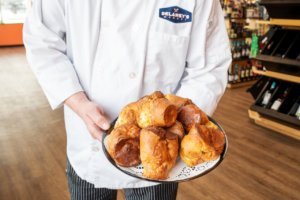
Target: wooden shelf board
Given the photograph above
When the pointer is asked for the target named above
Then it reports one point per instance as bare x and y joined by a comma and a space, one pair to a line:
242, 84
285, 77
274, 59
242, 20
240, 38
240, 59
281, 22
235, 18
274, 125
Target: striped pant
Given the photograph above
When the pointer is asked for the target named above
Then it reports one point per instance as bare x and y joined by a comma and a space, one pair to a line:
83, 190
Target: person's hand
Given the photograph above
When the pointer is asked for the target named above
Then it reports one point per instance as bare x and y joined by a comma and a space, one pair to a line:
93, 116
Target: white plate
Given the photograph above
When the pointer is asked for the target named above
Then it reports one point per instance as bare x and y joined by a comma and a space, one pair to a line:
181, 172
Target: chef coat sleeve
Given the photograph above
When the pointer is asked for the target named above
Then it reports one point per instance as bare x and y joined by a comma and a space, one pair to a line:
43, 35
205, 76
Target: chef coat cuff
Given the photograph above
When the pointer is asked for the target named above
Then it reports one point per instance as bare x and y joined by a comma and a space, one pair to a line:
69, 87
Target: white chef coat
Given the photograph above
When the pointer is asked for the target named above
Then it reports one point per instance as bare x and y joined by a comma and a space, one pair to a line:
119, 50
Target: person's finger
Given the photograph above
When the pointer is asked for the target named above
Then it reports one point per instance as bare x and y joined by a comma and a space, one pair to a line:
94, 130
99, 119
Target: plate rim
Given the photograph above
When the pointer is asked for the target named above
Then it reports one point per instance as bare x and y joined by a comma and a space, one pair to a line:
222, 156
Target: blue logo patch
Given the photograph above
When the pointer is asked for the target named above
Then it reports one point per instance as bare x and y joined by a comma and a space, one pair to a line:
175, 14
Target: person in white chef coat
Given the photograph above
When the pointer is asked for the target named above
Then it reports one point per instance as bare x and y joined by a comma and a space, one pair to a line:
94, 57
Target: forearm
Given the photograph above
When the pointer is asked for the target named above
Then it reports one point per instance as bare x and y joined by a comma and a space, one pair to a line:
75, 100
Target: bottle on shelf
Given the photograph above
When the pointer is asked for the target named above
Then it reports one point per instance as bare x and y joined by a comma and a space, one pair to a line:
266, 39
269, 47
234, 54
297, 114
298, 57
247, 73
229, 10
243, 72
230, 75
249, 66
236, 73
248, 49
290, 47
250, 10
268, 94
244, 50
238, 51
295, 111
278, 102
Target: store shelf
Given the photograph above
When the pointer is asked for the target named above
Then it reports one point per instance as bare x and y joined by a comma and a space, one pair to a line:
276, 115
281, 76
240, 59
243, 20
241, 84
253, 18
240, 38
279, 60
281, 22
274, 125
235, 18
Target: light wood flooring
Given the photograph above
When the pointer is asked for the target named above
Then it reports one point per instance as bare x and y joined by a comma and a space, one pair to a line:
260, 164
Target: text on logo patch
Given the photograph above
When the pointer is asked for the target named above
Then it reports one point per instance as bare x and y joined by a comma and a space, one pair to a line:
175, 14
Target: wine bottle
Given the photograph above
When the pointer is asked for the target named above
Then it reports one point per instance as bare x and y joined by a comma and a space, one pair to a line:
236, 73
243, 52
229, 11
290, 47
268, 94
298, 57
278, 102
298, 112
230, 75
238, 52
247, 73
267, 37
251, 73
234, 54
248, 49
242, 74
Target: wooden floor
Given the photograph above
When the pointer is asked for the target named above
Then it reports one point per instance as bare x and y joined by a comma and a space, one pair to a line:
260, 164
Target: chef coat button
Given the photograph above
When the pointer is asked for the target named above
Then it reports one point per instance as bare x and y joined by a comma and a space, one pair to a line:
95, 149
132, 75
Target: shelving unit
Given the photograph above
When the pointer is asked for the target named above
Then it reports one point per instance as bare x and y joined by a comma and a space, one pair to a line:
237, 15
278, 68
